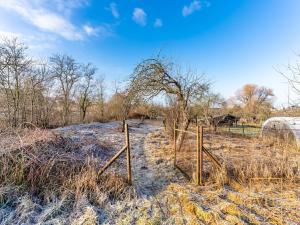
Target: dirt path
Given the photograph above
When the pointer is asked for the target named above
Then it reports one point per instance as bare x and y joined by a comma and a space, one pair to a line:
152, 165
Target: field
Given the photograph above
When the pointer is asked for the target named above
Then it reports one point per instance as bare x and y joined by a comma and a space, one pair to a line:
50, 177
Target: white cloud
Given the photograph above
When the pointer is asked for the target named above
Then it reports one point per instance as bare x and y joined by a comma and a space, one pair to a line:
139, 16
158, 22
114, 10
89, 30
42, 18
194, 6
102, 31
36, 42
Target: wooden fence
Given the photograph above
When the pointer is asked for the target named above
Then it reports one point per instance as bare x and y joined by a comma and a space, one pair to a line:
118, 154
200, 149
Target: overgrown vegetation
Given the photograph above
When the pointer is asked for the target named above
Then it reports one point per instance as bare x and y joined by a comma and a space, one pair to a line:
46, 164
46, 177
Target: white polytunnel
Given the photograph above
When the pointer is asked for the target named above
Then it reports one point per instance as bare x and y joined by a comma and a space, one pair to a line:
287, 128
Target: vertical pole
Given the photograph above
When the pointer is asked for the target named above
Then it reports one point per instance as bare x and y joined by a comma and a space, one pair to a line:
199, 170
174, 134
201, 155
198, 157
128, 154
243, 128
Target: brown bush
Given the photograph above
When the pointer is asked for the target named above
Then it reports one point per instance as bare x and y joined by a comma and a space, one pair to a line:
45, 164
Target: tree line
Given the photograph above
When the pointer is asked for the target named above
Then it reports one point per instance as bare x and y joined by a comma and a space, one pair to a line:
60, 90
46, 92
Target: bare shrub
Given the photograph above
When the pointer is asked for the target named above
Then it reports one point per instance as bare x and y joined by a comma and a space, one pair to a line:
45, 164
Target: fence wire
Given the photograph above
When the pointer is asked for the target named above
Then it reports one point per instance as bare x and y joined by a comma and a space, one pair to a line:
186, 152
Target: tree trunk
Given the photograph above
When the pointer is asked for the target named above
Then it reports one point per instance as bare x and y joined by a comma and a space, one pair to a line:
183, 126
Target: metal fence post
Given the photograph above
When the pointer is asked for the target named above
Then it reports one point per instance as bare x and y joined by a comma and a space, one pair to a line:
128, 155
199, 169
201, 155
174, 134
198, 157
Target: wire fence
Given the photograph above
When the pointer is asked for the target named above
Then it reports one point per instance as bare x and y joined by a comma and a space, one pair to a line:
245, 130
193, 154
185, 153
252, 131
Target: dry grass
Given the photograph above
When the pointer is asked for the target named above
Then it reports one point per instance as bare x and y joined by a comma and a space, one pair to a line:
266, 201
242, 158
53, 181
43, 174
44, 164
247, 158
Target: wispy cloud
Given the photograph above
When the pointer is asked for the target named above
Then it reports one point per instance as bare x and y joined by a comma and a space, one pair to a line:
114, 10
98, 31
194, 6
158, 23
42, 18
89, 30
53, 16
36, 42
139, 16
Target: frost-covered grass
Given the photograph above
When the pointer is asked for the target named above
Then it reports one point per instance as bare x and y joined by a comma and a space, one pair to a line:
49, 177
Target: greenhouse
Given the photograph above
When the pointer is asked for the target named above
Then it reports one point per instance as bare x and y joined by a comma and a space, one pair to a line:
287, 128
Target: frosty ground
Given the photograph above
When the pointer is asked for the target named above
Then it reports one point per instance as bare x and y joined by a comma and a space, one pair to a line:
161, 194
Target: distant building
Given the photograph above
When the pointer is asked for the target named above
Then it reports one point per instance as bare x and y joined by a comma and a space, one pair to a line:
226, 119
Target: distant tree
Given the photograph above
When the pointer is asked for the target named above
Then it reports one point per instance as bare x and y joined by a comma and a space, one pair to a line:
100, 95
14, 68
67, 72
120, 105
255, 99
85, 89
154, 76
37, 82
206, 106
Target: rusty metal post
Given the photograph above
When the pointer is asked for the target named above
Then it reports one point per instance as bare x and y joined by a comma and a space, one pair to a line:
199, 170
174, 134
128, 155
198, 157
201, 155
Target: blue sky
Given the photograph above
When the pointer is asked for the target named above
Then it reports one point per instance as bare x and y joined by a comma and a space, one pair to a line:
234, 41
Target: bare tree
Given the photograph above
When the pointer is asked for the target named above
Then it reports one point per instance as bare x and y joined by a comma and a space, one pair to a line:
254, 98
100, 92
120, 105
205, 106
154, 76
37, 80
85, 89
67, 72
14, 66
293, 77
